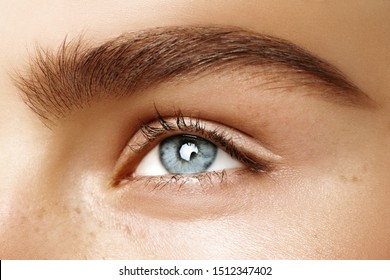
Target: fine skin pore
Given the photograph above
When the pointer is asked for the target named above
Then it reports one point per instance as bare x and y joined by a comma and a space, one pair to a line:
310, 151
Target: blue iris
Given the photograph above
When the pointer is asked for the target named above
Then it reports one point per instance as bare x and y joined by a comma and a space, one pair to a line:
187, 154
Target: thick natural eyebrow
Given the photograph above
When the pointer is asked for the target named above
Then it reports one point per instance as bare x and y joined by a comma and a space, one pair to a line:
72, 77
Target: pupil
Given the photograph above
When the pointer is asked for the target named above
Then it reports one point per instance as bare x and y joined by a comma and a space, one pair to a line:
187, 151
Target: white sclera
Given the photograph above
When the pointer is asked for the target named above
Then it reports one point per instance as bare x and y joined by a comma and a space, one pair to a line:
152, 166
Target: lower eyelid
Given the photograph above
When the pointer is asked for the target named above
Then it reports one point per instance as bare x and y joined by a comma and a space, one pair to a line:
184, 184
213, 194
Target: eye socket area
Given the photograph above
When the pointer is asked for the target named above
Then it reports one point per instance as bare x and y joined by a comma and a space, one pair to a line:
140, 159
185, 154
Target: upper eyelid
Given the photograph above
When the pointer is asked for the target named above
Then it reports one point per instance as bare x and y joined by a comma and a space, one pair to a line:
151, 131
198, 124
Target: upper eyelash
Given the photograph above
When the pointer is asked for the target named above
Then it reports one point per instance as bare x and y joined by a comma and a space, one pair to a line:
195, 125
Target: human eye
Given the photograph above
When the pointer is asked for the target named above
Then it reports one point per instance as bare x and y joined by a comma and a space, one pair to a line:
183, 150
185, 154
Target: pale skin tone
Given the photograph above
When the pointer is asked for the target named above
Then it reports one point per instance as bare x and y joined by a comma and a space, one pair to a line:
329, 200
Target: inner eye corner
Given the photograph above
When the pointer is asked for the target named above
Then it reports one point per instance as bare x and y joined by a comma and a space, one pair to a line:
117, 179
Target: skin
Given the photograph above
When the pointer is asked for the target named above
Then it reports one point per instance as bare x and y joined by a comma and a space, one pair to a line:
329, 200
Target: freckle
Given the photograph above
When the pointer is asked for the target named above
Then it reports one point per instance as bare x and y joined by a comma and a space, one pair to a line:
92, 234
40, 212
343, 178
355, 179
347, 179
77, 210
36, 229
129, 231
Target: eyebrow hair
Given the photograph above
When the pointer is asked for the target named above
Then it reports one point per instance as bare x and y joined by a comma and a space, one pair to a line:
75, 75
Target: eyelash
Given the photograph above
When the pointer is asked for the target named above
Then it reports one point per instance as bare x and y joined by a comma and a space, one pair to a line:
197, 127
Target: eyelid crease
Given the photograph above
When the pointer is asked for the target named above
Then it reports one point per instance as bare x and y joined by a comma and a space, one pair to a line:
239, 145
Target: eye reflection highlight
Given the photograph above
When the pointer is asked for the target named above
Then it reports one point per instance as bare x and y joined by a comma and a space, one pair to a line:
187, 150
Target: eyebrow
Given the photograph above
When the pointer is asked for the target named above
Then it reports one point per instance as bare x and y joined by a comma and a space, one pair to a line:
75, 75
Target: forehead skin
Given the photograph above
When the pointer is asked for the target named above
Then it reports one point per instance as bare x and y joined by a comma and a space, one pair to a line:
352, 35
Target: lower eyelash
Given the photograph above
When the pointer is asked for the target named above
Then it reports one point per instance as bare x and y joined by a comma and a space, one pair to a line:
205, 180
